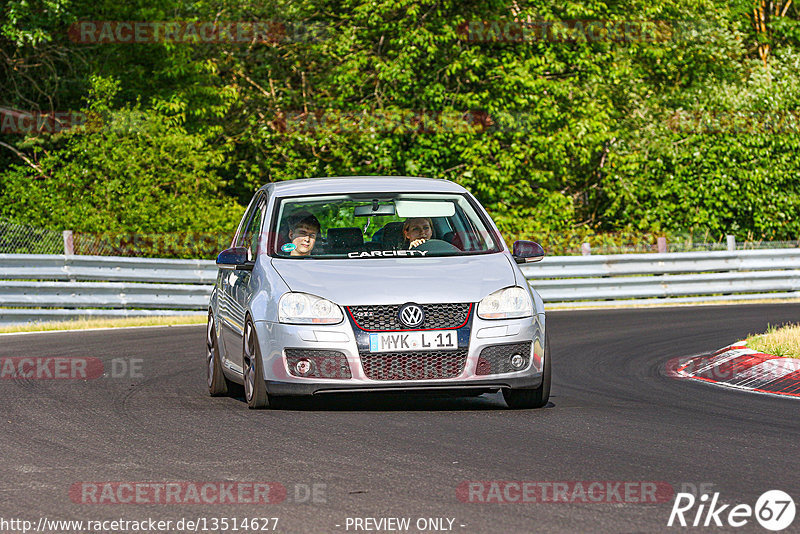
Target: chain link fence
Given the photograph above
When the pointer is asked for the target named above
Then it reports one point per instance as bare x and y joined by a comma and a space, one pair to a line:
24, 239
187, 245
640, 248
18, 238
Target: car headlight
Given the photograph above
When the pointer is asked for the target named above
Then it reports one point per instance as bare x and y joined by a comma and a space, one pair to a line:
303, 308
508, 303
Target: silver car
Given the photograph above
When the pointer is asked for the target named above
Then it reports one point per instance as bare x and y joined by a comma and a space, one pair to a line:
374, 284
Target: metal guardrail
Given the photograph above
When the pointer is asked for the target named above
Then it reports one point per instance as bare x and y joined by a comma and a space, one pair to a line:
41, 287
574, 281
668, 263
49, 287
104, 295
105, 268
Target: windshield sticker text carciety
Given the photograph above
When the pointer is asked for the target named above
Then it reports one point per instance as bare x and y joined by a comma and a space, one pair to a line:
387, 253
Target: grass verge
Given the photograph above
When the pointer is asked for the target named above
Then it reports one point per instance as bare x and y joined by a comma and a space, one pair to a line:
783, 342
642, 303
83, 324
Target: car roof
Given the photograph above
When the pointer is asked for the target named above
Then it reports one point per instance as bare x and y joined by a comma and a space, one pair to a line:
361, 184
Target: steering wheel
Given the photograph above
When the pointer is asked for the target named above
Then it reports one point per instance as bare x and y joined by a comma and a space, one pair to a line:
437, 246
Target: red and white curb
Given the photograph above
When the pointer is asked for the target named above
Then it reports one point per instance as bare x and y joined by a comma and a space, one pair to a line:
738, 367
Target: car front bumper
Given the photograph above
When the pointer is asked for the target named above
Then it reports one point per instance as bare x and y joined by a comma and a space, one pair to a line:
276, 338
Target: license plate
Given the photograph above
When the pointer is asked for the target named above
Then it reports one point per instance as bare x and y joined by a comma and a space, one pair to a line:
407, 341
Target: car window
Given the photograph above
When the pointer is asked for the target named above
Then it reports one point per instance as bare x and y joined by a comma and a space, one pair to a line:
364, 226
249, 236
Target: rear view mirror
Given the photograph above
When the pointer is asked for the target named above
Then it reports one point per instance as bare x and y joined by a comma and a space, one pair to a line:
234, 258
527, 251
374, 210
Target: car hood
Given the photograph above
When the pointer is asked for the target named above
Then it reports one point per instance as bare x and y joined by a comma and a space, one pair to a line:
371, 281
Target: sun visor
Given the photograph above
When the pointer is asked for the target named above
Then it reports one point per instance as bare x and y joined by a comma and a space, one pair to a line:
422, 208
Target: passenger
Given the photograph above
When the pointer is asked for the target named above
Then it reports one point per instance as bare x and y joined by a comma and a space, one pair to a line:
303, 231
417, 230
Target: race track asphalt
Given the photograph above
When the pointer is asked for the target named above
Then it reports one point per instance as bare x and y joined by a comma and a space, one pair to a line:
614, 416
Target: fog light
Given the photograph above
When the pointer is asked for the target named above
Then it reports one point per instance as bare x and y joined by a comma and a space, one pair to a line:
517, 361
303, 367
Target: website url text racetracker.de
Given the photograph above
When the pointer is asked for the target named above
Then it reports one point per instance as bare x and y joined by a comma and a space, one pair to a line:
197, 524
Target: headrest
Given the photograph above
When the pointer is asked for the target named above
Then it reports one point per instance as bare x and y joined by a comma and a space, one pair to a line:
341, 240
392, 236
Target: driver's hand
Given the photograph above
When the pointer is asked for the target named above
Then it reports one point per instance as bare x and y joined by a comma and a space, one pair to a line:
416, 243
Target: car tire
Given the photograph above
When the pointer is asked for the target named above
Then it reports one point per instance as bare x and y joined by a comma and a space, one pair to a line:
536, 397
255, 389
218, 383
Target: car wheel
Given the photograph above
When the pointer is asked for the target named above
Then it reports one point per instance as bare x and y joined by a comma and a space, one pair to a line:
532, 398
255, 389
218, 384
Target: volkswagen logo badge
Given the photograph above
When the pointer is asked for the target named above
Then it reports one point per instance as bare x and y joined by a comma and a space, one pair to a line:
411, 315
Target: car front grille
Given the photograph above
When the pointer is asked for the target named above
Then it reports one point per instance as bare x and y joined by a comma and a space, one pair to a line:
323, 363
437, 316
414, 365
496, 359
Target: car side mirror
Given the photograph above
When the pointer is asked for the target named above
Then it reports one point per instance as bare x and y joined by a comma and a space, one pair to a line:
235, 258
527, 251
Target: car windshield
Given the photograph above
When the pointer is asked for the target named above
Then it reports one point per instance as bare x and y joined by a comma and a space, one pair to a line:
363, 226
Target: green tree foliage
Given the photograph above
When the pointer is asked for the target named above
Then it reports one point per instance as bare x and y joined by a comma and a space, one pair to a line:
125, 170
556, 137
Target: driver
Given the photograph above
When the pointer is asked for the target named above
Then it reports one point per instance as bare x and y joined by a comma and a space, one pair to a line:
303, 231
417, 230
